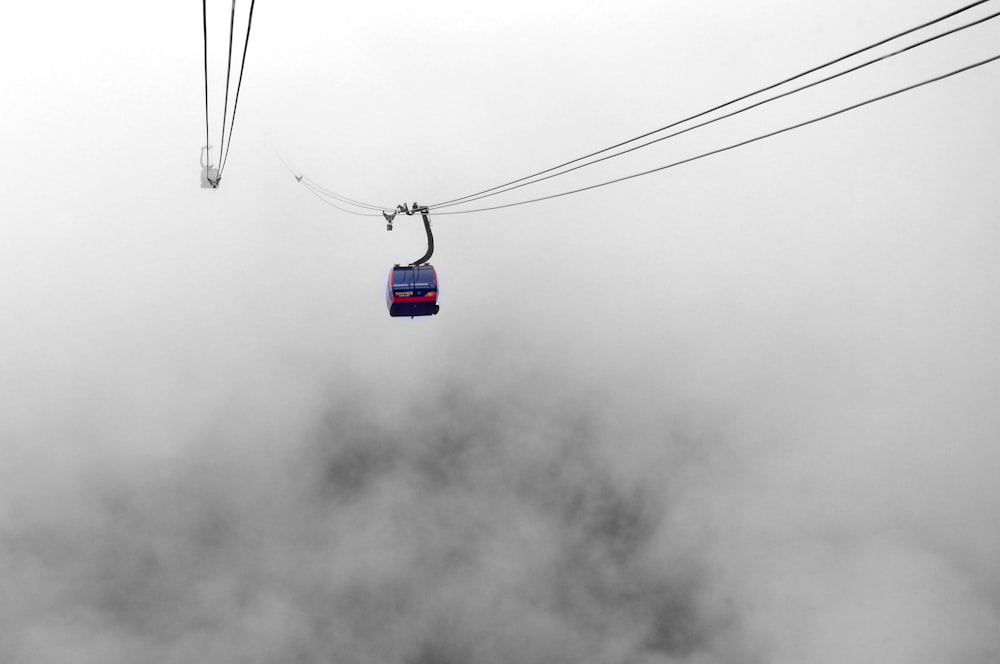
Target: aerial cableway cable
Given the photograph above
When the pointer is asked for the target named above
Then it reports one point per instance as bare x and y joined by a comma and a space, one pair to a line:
211, 174
481, 194
239, 82
788, 93
324, 194
225, 102
312, 189
204, 25
741, 143
343, 199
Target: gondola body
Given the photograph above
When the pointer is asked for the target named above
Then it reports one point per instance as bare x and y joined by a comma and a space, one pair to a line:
412, 291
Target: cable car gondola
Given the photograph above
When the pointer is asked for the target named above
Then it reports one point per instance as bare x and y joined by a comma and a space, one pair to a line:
413, 289
209, 173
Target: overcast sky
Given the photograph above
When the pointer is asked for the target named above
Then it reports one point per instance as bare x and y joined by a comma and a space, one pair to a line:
743, 409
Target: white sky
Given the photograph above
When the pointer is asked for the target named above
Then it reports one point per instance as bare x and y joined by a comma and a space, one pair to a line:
821, 306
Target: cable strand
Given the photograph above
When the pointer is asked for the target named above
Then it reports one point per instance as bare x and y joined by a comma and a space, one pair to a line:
239, 83
720, 106
334, 205
730, 114
741, 143
345, 199
229, 67
204, 24
318, 189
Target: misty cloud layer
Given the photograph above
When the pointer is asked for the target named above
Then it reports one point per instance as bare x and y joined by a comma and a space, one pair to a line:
491, 530
527, 516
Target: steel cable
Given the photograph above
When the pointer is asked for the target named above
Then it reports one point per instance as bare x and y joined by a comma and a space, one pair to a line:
319, 191
739, 144
345, 199
318, 195
225, 103
480, 194
204, 23
239, 83
727, 115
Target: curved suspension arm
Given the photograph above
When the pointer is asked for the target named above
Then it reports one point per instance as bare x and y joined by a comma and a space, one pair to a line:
424, 212
430, 239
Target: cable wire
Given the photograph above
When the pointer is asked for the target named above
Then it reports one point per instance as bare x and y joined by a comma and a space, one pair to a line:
718, 107
345, 199
311, 190
727, 115
741, 143
204, 24
239, 83
225, 103
320, 191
